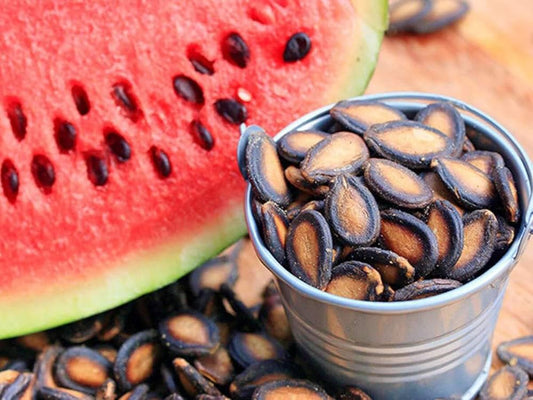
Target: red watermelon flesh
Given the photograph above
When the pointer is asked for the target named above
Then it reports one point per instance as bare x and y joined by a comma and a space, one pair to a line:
88, 227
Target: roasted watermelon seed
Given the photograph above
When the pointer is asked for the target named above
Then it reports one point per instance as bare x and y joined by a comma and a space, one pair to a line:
355, 280
505, 234
55, 393
10, 180
199, 62
425, 288
518, 352
212, 274
235, 50
201, 135
297, 47
442, 14
231, 110
272, 315
43, 172
248, 348
107, 391
161, 162
509, 382
97, 170
16, 389
17, 120
353, 393
217, 366
137, 359
506, 188
294, 145
192, 381
486, 161
82, 369
244, 316
65, 135
81, 99
295, 178
124, 97
290, 388
275, 225
404, 14
188, 89
118, 146
82, 330
139, 392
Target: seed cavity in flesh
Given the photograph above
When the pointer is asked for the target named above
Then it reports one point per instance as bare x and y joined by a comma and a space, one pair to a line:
446, 119
358, 115
235, 50
339, 153
264, 170
161, 162
425, 288
123, 94
199, 62
410, 238
97, 170
81, 99
10, 180
309, 248
352, 212
231, 110
65, 135
188, 89
118, 146
355, 280
17, 120
43, 172
396, 184
201, 135
297, 47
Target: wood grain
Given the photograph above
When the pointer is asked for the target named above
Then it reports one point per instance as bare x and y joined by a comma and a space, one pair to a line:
485, 60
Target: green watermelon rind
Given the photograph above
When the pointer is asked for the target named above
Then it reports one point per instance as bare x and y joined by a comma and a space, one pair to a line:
147, 271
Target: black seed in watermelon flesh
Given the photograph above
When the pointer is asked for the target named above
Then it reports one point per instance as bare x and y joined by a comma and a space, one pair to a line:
297, 47
188, 89
235, 50
118, 146
81, 100
125, 98
201, 64
17, 119
10, 180
97, 171
231, 110
65, 135
201, 135
43, 171
161, 161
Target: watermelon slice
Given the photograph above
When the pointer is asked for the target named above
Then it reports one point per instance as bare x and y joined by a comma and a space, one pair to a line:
119, 132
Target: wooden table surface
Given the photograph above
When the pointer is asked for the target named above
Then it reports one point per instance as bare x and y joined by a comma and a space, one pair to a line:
485, 60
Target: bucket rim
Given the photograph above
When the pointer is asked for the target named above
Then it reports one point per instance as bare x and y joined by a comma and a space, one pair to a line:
503, 265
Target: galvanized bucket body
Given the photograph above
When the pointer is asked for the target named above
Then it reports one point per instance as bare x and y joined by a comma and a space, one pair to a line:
438, 347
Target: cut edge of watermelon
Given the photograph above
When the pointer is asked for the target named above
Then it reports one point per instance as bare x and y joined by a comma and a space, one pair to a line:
139, 275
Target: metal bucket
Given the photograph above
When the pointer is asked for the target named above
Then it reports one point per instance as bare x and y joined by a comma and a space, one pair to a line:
437, 347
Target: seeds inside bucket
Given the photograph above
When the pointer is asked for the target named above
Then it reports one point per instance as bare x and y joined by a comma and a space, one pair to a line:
486, 161
357, 116
295, 178
506, 383
446, 119
355, 280
396, 184
518, 352
294, 146
409, 237
506, 188
309, 248
341, 152
409, 143
352, 212
275, 226
425, 288
480, 228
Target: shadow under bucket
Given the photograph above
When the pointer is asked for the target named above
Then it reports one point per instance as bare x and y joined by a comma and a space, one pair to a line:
437, 347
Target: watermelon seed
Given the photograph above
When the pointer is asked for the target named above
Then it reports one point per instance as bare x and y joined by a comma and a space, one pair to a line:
161, 161
201, 135
97, 171
235, 50
43, 172
65, 135
10, 180
188, 89
231, 110
17, 119
118, 146
124, 97
81, 100
201, 64
297, 47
